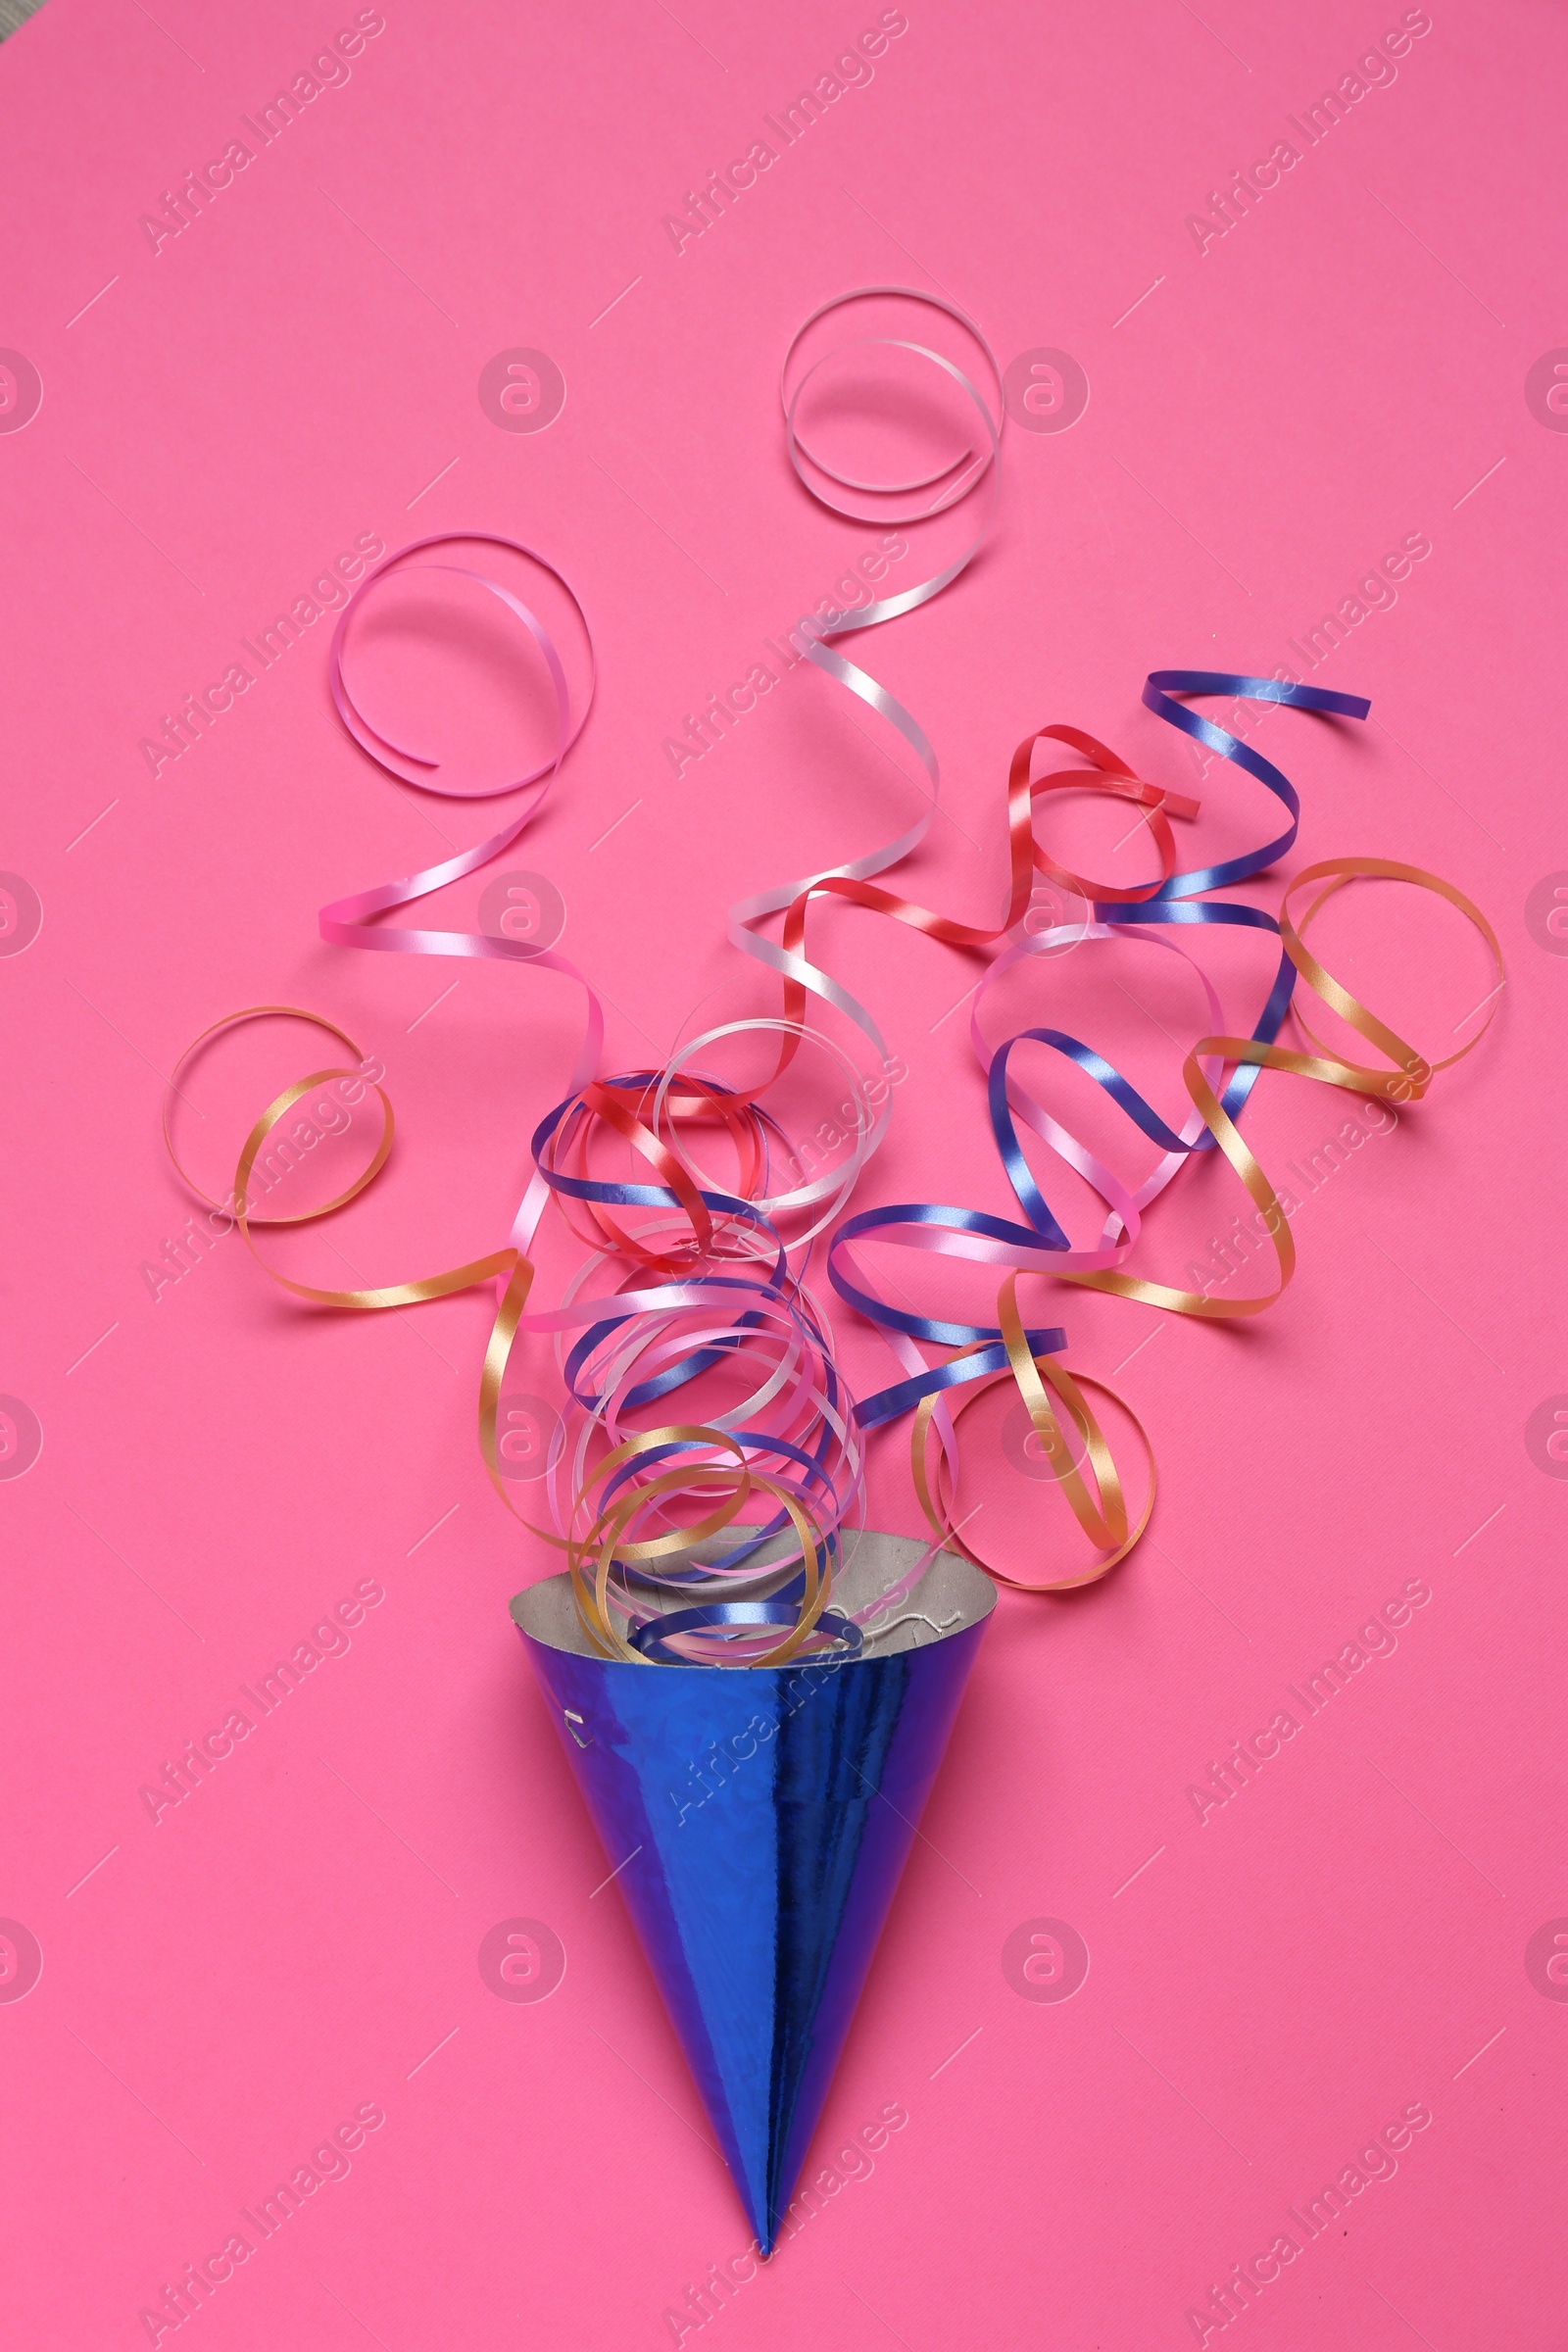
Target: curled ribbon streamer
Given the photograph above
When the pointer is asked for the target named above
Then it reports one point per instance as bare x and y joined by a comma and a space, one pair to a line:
1175, 898
706, 1284
797, 1448
826, 486
609, 1535
1043, 1246
796, 1422
1407, 1081
1105, 1525
852, 881
264, 1012
350, 922
980, 1352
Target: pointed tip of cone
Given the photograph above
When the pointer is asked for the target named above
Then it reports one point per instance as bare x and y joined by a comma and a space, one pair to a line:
764, 2207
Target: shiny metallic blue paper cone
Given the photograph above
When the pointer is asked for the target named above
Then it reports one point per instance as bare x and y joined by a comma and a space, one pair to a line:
768, 1813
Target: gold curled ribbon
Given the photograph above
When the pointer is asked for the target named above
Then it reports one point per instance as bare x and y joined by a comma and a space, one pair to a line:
1103, 1515
604, 1535
265, 1012
1407, 1081
508, 1262
1105, 1522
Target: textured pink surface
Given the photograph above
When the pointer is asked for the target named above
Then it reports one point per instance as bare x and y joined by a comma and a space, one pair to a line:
295, 1943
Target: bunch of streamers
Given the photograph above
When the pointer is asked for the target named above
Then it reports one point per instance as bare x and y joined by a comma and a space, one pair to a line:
711, 1534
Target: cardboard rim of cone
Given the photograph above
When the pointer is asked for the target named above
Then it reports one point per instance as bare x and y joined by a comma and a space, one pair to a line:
759, 1820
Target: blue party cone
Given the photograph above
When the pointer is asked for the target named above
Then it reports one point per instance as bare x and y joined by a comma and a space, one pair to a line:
757, 1821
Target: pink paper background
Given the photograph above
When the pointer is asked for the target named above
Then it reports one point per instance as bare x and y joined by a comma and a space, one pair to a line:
1268, 1986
